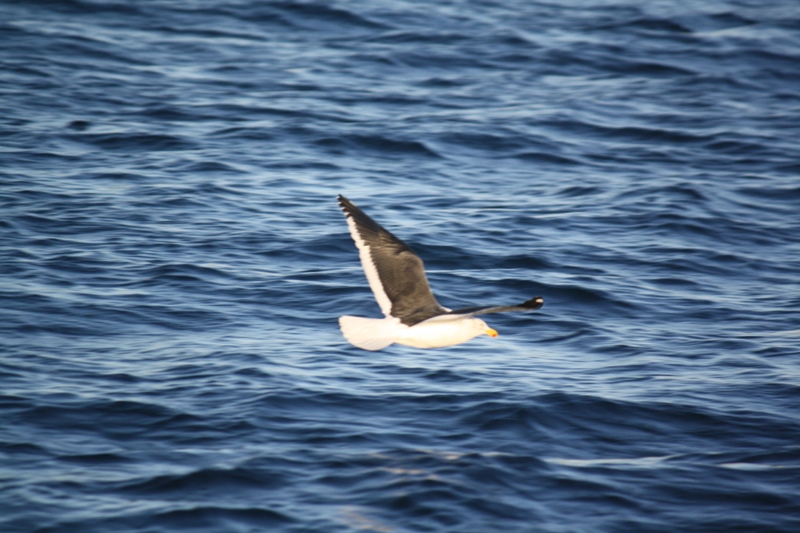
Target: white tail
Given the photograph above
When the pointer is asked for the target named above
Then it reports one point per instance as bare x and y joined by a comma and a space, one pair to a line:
371, 333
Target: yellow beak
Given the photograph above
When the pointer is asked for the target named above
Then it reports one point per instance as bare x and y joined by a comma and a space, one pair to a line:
491, 332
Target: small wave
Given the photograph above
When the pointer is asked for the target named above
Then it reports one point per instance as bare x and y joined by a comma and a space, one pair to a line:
135, 142
380, 145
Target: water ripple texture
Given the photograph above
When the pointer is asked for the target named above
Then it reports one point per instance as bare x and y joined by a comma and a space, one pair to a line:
174, 263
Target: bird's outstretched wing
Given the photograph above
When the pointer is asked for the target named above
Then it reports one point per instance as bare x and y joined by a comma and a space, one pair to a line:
395, 273
530, 305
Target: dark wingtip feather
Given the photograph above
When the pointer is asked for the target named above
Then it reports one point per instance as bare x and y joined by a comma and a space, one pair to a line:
346, 206
533, 303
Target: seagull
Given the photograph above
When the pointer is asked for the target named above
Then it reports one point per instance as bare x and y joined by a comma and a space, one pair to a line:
397, 278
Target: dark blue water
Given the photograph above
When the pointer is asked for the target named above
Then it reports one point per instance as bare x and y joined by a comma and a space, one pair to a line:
174, 263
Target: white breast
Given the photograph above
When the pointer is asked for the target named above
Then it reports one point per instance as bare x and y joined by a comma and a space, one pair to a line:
441, 331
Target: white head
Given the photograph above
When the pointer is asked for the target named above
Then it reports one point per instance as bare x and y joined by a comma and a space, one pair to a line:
479, 327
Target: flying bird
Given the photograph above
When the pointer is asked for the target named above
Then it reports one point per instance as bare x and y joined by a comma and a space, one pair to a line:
397, 278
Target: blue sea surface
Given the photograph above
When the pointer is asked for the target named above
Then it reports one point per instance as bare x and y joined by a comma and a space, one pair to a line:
174, 263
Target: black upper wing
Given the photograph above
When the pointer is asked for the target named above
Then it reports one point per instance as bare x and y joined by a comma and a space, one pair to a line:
400, 272
530, 305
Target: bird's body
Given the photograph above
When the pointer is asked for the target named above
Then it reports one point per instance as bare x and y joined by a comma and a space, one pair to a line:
397, 278
444, 330
435, 332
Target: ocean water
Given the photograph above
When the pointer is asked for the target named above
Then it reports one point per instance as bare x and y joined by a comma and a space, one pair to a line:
174, 263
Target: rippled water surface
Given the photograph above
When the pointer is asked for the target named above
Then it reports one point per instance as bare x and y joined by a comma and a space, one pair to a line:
174, 263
